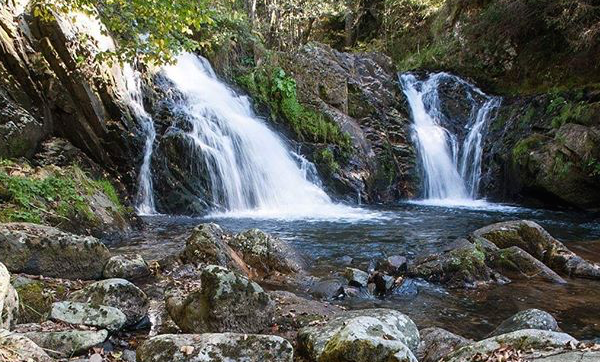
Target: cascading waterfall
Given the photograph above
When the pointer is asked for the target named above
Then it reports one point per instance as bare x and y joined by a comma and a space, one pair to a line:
252, 172
452, 169
145, 196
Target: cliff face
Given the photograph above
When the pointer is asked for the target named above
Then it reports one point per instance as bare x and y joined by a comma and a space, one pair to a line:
49, 85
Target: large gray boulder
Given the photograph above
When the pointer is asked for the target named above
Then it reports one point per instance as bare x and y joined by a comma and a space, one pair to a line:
265, 253
207, 246
437, 343
9, 300
565, 356
527, 319
16, 347
211, 347
226, 302
88, 314
118, 293
65, 344
532, 238
128, 267
43, 250
525, 339
517, 261
370, 335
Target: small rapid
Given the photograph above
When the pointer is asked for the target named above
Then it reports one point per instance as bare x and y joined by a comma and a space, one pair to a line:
451, 166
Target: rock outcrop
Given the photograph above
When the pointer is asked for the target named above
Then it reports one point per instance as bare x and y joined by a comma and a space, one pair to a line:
370, 335
43, 250
527, 319
210, 347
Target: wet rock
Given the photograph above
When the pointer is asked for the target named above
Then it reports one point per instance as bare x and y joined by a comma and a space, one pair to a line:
527, 319
517, 260
128, 267
356, 278
463, 267
383, 283
524, 339
437, 343
293, 312
210, 347
67, 343
393, 265
9, 300
330, 288
226, 302
43, 250
265, 253
117, 293
16, 347
369, 335
88, 314
532, 238
208, 246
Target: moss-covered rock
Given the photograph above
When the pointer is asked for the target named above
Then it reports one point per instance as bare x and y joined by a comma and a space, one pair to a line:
522, 340
527, 319
226, 302
43, 250
65, 344
265, 253
37, 296
117, 293
369, 335
517, 261
215, 347
128, 267
100, 316
532, 238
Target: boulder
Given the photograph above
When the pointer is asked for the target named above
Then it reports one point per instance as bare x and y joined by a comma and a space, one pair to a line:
527, 319
63, 344
532, 238
211, 347
117, 293
437, 343
226, 302
265, 253
462, 267
329, 288
128, 267
43, 250
15, 347
369, 335
88, 314
394, 265
517, 260
523, 340
207, 246
356, 277
9, 300
566, 356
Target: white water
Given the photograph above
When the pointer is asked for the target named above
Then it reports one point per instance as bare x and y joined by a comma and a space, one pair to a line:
452, 170
145, 196
252, 172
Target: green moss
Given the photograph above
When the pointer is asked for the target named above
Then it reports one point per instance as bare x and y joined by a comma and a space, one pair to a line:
51, 195
273, 87
36, 300
561, 167
524, 147
326, 160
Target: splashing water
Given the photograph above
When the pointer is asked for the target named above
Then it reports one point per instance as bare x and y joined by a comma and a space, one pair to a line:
252, 172
452, 170
145, 196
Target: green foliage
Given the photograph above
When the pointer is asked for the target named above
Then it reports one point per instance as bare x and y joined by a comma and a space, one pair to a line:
524, 147
592, 166
272, 86
325, 159
151, 30
563, 111
52, 196
561, 166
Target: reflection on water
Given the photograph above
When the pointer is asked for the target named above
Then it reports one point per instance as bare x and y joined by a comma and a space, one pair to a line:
412, 229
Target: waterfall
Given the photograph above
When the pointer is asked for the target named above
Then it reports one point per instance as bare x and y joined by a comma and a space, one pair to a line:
145, 196
252, 171
451, 162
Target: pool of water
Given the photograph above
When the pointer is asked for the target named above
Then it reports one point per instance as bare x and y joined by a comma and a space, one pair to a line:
411, 229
